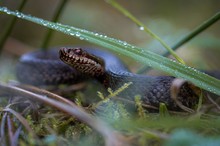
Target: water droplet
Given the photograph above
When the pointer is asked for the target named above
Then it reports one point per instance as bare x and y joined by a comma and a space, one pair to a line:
4, 9
81, 38
45, 24
18, 14
78, 34
142, 51
7, 11
141, 28
73, 34
125, 43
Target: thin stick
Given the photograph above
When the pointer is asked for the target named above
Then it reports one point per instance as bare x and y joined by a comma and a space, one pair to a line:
44, 92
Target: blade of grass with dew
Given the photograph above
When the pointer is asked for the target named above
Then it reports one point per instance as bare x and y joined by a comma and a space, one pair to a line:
206, 24
144, 28
147, 57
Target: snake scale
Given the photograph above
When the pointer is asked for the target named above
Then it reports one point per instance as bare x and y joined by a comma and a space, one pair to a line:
72, 65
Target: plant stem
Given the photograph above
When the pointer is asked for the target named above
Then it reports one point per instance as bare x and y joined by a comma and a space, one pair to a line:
196, 31
56, 17
206, 24
10, 26
144, 28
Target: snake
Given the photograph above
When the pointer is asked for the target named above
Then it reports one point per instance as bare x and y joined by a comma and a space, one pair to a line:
69, 65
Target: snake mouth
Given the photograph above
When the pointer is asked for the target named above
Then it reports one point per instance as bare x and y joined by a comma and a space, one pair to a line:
82, 61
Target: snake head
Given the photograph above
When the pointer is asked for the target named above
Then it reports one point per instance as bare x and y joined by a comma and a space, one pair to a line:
82, 61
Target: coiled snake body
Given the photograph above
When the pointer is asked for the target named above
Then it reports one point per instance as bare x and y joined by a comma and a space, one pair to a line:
46, 67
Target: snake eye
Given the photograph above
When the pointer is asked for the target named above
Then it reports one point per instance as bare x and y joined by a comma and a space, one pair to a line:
78, 51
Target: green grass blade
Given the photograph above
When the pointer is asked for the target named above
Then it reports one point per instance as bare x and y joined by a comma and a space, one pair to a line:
206, 24
144, 28
149, 58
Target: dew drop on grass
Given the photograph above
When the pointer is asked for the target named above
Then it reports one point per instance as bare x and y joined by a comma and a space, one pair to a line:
78, 34
141, 28
4, 9
18, 14
125, 43
142, 50
44, 24
81, 38
99, 35
72, 34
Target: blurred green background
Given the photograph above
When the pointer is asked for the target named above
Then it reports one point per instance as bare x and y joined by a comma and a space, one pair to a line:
171, 20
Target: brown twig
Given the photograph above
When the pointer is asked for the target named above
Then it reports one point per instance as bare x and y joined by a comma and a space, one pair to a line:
111, 137
44, 92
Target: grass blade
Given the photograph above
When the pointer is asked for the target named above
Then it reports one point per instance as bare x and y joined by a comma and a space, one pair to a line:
144, 28
146, 57
206, 24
